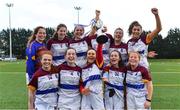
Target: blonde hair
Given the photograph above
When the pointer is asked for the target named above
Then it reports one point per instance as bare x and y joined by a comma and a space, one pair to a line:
135, 53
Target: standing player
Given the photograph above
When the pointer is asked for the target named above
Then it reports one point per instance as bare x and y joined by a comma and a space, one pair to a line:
92, 98
113, 76
96, 29
120, 46
139, 42
34, 47
93, 44
69, 82
58, 44
44, 86
139, 84
80, 45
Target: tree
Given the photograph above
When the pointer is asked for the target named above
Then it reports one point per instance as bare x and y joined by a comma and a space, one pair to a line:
172, 43
157, 45
166, 48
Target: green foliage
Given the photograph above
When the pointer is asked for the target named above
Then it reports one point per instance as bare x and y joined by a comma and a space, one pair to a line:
19, 40
166, 48
49, 32
169, 46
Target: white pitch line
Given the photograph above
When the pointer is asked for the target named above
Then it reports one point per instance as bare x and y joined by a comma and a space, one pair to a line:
10, 72
166, 85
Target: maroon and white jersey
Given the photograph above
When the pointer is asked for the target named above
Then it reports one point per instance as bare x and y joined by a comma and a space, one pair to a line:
140, 45
136, 80
69, 83
122, 49
46, 85
115, 78
81, 47
58, 48
93, 43
91, 77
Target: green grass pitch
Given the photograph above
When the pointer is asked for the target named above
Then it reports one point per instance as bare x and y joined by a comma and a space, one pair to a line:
165, 74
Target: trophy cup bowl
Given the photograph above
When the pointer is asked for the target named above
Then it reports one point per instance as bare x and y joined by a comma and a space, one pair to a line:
102, 38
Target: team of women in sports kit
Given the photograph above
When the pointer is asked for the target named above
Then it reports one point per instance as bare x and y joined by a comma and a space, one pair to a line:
82, 73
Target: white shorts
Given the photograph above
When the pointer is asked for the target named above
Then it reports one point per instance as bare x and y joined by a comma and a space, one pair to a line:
44, 106
135, 102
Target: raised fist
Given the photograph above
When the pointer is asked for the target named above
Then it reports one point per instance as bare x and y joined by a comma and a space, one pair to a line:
154, 11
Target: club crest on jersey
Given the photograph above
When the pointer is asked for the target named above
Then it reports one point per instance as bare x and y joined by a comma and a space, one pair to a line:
49, 77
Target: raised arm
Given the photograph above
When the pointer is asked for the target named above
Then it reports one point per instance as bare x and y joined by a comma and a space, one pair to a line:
99, 56
155, 32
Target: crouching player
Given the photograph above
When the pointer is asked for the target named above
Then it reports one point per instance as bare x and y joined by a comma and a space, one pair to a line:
139, 84
44, 86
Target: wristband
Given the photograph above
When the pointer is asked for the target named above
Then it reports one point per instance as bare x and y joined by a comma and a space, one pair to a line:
148, 100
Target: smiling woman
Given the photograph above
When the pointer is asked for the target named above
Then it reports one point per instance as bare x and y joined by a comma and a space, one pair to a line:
44, 85
34, 47
140, 41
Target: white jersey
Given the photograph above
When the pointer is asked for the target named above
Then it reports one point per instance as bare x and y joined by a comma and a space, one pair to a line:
69, 81
122, 49
115, 78
135, 80
81, 48
58, 49
91, 76
140, 45
46, 85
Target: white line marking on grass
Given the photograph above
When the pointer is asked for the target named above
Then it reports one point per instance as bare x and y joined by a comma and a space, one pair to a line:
166, 85
10, 72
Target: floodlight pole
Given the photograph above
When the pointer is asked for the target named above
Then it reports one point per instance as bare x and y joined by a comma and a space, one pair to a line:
78, 8
9, 5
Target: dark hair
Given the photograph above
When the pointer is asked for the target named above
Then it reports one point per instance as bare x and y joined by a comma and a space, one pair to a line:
134, 23
119, 29
89, 50
120, 63
69, 49
55, 35
33, 37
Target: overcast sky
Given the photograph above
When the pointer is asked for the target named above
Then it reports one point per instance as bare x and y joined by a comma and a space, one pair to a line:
114, 13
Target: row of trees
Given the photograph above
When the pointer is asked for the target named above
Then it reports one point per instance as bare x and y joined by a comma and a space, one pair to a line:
167, 47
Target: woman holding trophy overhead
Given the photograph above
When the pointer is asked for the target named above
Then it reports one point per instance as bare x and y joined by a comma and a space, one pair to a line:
98, 35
